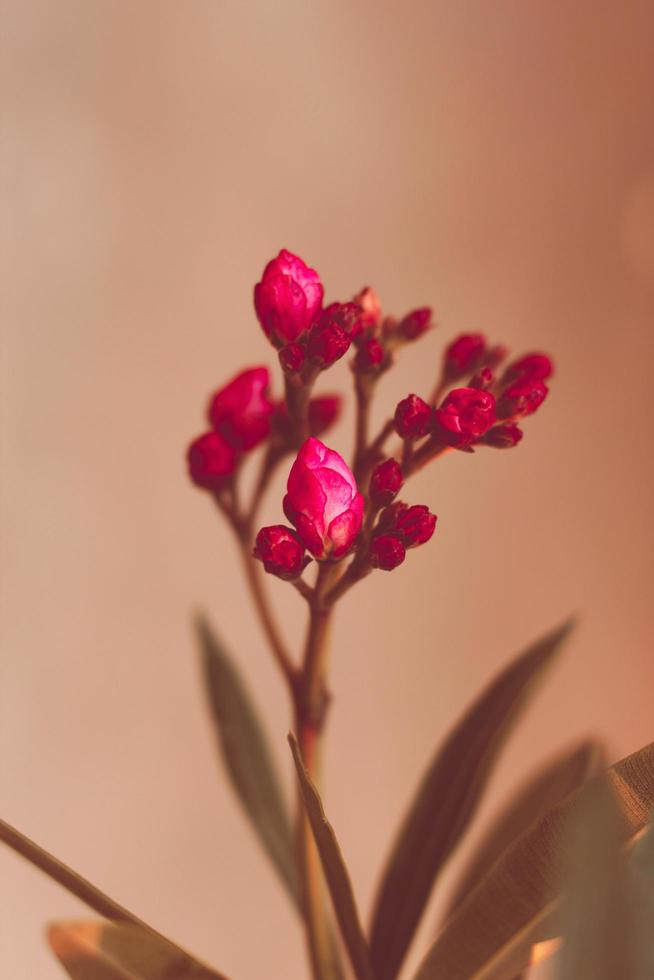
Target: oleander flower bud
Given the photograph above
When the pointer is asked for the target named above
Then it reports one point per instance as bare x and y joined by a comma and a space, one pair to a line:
241, 410
323, 501
413, 417
386, 482
370, 307
328, 342
415, 324
348, 316
292, 358
386, 552
281, 552
535, 366
521, 398
288, 298
211, 461
465, 415
503, 436
369, 356
415, 525
464, 354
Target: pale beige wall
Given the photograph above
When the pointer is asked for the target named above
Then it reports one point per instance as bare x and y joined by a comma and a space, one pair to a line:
493, 159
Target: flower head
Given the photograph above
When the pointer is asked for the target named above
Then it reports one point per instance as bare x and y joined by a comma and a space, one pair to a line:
323, 501
386, 552
288, 298
413, 417
466, 414
415, 323
241, 410
534, 366
464, 354
386, 482
521, 398
211, 461
281, 551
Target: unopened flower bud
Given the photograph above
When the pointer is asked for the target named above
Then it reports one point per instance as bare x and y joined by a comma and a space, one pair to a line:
464, 354
465, 415
386, 552
370, 306
415, 525
503, 436
386, 482
415, 324
483, 379
413, 417
323, 501
521, 398
292, 358
369, 356
535, 367
348, 316
281, 552
241, 410
327, 343
288, 298
211, 461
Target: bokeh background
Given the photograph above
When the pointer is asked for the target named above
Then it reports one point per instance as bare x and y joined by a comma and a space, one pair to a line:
492, 159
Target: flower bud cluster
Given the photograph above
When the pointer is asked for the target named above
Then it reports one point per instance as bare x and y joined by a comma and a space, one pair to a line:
400, 527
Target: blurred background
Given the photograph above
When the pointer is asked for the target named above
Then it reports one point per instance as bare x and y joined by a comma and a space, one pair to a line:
493, 160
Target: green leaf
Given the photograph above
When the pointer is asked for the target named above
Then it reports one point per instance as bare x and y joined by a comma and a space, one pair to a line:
544, 789
336, 874
516, 904
446, 801
110, 951
244, 747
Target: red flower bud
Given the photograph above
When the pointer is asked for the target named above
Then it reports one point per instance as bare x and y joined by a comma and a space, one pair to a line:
292, 358
323, 501
503, 436
288, 298
521, 398
464, 354
415, 525
386, 482
241, 410
413, 417
465, 415
323, 412
211, 461
483, 379
370, 306
348, 316
281, 552
536, 367
386, 552
370, 355
327, 343
415, 323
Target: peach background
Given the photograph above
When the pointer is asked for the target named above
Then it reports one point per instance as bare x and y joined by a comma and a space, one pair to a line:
494, 159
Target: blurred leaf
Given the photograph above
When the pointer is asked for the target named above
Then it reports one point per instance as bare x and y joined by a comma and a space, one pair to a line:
244, 747
110, 951
550, 785
336, 874
446, 802
515, 905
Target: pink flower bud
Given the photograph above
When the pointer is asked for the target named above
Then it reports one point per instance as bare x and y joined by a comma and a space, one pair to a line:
211, 461
413, 417
415, 323
536, 367
464, 354
521, 398
327, 343
288, 298
281, 552
241, 410
348, 316
370, 306
323, 501
386, 552
415, 525
386, 482
465, 415
369, 357
292, 358
503, 436
323, 413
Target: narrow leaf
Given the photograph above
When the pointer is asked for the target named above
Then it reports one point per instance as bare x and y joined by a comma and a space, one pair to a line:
550, 785
245, 750
336, 874
515, 905
109, 951
446, 801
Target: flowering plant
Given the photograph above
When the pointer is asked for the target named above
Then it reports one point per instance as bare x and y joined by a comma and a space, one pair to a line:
345, 522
